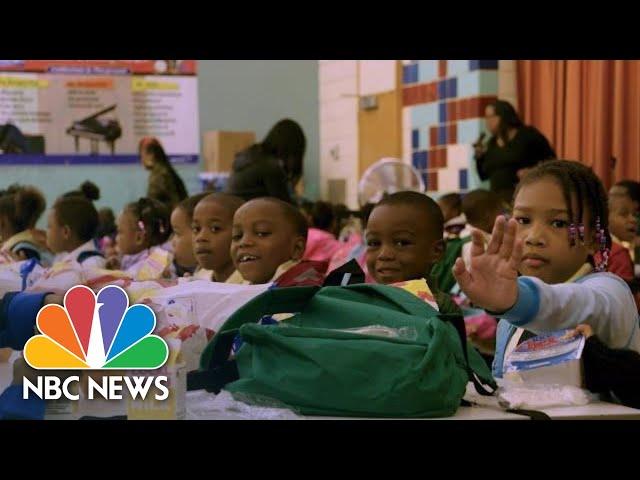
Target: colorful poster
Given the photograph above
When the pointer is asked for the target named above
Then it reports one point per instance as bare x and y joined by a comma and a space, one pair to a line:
96, 112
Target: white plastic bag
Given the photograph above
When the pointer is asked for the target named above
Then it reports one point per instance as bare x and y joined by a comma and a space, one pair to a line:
540, 396
202, 405
201, 302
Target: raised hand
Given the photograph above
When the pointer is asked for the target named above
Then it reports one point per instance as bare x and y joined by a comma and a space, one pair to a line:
491, 280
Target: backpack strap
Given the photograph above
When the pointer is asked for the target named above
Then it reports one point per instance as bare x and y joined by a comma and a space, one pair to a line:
532, 414
458, 323
88, 254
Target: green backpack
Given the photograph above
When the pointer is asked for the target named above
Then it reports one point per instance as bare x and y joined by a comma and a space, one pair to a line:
441, 271
315, 362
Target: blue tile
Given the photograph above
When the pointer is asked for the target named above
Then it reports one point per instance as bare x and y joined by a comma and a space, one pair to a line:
462, 178
452, 88
426, 160
415, 160
483, 65
442, 111
442, 135
425, 179
488, 64
442, 89
410, 73
419, 159
415, 139
406, 74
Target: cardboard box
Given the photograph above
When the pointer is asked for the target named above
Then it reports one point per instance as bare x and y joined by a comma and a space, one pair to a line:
173, 408
220, 148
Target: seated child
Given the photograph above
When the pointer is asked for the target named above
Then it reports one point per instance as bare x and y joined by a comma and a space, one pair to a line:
211, 227
20, 209
404, 241
107, 231
454, 220
623, 226
143, 227
632, 189
481, 208
184, 261
72, 223
268, 240
560, 221
321, 243
352, 244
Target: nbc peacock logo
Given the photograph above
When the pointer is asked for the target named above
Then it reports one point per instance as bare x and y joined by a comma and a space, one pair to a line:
98, 332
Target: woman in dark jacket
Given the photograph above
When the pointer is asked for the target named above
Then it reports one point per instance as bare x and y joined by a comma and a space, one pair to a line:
271, 168
512, 149
165, 185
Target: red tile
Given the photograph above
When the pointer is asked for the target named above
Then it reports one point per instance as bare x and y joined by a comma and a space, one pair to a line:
452, 114
440, 158
452, 133
475, 109
422, 94
433, 137
433, 181
484, 101
405, 97
434, 158
461, 109
442, 68
443, 158
432, 91
410, 96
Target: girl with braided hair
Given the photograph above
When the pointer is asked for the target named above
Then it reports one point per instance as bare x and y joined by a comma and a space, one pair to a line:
545, 269
143, 228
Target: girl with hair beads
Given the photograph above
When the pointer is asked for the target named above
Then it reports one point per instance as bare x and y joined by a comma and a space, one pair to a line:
558, 241
143, 227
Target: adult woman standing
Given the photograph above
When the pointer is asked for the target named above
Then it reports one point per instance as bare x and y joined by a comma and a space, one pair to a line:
165, 185
512, 150
271, 168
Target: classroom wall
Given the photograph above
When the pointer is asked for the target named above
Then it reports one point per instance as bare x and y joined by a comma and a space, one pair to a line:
444, 102
233, 95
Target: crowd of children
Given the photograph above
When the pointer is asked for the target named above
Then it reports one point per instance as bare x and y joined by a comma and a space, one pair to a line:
560, 257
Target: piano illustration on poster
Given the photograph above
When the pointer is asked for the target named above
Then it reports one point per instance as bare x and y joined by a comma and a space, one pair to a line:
97, 129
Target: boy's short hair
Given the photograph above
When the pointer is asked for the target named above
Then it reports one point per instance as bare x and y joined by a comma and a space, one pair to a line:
293, 215
230, 202
422, 203
452, 200
632, 188
322, 215
188, 205
478, 203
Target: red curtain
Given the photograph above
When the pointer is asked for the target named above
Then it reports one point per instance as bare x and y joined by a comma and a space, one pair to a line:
588, 109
